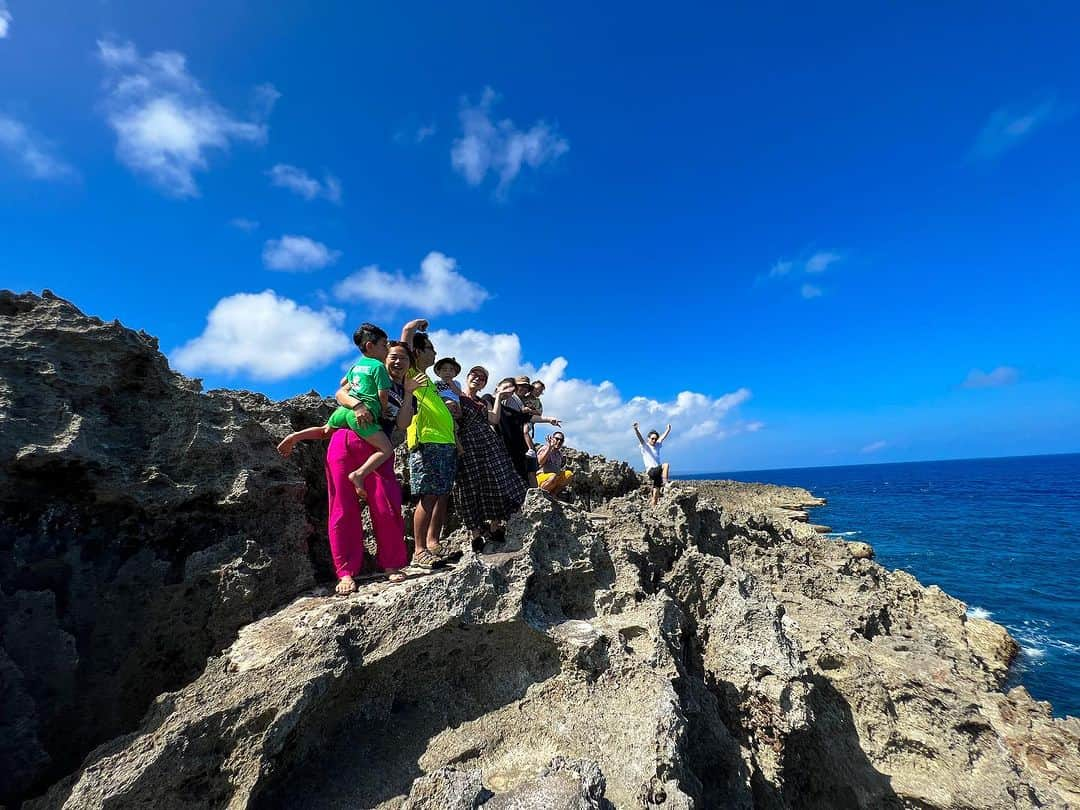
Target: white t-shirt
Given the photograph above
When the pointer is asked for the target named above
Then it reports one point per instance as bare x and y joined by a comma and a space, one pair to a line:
650, 454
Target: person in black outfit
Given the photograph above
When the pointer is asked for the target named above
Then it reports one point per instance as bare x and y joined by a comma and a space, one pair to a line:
511, 426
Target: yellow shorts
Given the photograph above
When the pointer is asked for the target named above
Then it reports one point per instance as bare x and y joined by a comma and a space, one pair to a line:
566, 475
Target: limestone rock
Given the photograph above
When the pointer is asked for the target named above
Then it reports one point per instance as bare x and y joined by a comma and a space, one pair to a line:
164, 642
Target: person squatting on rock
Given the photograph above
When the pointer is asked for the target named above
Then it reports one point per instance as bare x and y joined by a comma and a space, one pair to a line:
656, 470
553, 476
487, 489
511, 425
367, 382
432, 452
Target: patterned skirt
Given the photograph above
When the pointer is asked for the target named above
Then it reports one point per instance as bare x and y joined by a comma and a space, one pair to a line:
487, 486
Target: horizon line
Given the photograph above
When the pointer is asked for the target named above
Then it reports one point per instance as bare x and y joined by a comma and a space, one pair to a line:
879, 464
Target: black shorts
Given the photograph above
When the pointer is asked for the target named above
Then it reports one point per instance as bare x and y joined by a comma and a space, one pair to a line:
656, 475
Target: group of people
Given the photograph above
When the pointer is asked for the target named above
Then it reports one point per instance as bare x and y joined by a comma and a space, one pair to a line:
479, 448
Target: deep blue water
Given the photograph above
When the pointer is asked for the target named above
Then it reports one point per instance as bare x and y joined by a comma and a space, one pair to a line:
1003, 535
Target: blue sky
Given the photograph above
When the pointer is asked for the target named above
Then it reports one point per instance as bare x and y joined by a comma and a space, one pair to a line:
838, 234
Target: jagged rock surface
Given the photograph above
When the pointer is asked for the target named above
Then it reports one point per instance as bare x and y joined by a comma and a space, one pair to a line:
712, 652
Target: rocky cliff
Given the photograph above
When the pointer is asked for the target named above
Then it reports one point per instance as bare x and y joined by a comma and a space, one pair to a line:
165, 639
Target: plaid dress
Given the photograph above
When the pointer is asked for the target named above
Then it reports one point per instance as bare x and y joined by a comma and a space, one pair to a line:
487, 486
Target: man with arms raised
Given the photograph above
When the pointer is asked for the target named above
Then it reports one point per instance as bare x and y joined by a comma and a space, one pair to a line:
656, 470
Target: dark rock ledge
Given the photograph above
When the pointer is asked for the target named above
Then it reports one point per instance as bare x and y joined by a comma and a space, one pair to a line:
166, 642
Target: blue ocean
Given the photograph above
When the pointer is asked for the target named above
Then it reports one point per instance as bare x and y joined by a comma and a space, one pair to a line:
1001, 534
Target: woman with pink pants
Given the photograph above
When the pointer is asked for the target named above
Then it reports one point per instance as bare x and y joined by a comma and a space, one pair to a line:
383, 492
347, 452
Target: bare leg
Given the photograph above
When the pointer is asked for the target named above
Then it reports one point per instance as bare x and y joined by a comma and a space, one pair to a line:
655, 497
421, 520
285, 447
383, 451
438, 520
665, 470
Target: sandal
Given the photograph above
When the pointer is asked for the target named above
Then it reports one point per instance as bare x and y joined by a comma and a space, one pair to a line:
425, 559
439, 550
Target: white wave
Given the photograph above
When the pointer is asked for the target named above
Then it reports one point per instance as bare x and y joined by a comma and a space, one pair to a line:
1033, 652
976, 612
841, 534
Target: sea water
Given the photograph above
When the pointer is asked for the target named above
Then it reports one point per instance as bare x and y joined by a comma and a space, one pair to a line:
1003, 535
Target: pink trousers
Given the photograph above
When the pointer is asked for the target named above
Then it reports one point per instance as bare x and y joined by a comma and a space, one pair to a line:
346, 452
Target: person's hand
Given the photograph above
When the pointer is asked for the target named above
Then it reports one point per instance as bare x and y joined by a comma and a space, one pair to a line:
505, 390
555, 422
669, 427
417, 324
454, 408
635, 425
363, 414
414, 384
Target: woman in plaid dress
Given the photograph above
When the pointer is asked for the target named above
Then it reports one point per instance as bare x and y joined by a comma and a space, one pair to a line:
487, 489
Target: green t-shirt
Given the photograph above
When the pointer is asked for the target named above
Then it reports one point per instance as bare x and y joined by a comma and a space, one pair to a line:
433, 423
365, 380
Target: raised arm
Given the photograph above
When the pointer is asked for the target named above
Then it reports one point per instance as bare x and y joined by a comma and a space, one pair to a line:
542, 454
640, 438
411, 328
664, 435
405, 413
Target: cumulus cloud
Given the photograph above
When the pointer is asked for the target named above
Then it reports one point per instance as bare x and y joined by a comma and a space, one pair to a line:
300, 182
166, 125
297, 254
1010, 126
30, 152
264, 337
873, 447
438, 289
499, 147
810, 291
597, 416
1002, 375
5, 20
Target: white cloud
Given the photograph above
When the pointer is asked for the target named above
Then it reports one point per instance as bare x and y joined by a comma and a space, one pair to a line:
438, 289
1010, 126
821, 260
264, 337
166, 125
424, 132
297, 254
1002, 375
5, 20
300, 182
244, 224
500, 147
781, 268
597, 416
809, 291
32, 153
873, 447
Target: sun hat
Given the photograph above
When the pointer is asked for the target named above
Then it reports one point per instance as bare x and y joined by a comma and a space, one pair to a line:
453, 360
522, 380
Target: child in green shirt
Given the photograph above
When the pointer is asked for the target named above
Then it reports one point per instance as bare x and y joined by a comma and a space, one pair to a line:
368, 382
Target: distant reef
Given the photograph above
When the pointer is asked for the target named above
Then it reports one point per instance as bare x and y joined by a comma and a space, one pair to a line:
168, 639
